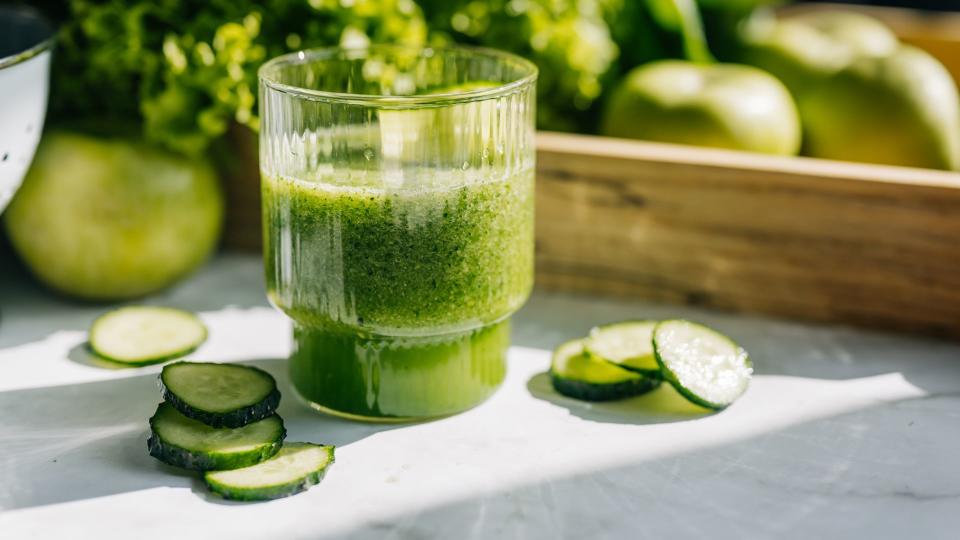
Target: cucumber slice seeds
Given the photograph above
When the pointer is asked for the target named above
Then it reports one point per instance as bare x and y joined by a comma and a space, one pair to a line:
705, 366
187, 443
143, 335
576, 374
627, 344
295, 468
220, 395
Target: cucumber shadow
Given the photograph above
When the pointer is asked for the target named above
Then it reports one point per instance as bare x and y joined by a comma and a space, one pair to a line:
659, 406
81, 441
81, 354
777, 347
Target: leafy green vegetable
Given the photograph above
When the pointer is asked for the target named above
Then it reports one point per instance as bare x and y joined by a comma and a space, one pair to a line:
737, 5
682, 17
723, 21
568, 40
648, 30
186, 69
183, 71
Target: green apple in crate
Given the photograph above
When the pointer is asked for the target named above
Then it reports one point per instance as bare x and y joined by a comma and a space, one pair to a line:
862, 95
106, 218
717, 105
804, 50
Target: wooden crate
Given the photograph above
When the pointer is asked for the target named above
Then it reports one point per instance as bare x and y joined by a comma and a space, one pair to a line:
818, 240
240, 173
796, 237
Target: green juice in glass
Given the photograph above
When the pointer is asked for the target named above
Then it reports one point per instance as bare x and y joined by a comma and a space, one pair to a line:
400, 296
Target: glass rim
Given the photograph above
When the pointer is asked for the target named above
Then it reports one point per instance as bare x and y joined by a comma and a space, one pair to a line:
268, 76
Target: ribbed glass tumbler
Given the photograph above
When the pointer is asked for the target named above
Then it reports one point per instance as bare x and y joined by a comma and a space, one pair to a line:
398, 222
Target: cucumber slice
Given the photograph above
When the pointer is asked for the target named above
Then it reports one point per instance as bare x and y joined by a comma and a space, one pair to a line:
705, 366
295, 468
627, 344
581, 376
220, 395
185, 442
142, 335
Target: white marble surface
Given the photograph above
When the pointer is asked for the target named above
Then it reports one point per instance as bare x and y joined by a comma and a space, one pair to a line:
843, 434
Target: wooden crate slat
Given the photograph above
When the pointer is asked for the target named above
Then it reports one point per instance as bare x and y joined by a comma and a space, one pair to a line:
794, 237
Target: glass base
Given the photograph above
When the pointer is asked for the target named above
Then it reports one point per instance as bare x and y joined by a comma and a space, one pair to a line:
369, 419
397, 379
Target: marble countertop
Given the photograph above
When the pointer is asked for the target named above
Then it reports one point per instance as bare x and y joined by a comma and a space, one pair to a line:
843, 434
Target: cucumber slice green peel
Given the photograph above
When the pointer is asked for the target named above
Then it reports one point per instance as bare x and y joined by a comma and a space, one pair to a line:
576, 374
220, 395
187, 443
627, 344
295, 468
705, 366
143, 335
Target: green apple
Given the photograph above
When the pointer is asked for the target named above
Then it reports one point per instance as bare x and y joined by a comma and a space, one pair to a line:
805, 49
718, 105
862, 95
900, 109
109, 218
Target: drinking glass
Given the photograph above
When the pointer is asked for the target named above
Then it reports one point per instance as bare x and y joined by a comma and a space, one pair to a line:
397, 192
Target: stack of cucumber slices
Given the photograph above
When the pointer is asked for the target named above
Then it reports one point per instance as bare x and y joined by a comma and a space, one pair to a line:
220, 419
627, 359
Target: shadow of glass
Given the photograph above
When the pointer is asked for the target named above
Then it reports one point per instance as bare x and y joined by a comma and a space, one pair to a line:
887, 471
80, 441
659, 406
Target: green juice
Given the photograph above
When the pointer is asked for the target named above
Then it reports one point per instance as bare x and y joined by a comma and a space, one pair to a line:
400, 297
